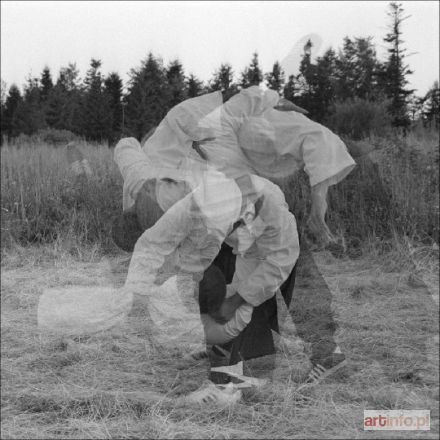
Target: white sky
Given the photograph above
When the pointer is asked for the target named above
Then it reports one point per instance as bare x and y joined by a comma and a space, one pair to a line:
201, 34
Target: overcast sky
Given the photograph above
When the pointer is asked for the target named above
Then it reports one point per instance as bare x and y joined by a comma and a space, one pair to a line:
201, 34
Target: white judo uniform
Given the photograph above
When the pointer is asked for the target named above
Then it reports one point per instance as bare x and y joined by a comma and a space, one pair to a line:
246, 135
187, 238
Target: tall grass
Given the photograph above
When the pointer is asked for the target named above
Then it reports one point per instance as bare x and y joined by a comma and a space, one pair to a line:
43, 201
394, 190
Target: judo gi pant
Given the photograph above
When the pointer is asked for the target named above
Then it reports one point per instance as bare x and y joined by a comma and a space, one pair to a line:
308, 305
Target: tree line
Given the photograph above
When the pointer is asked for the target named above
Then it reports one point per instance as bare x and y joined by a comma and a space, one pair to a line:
351, 80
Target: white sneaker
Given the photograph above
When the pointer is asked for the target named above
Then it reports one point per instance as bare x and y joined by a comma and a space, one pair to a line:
209, 393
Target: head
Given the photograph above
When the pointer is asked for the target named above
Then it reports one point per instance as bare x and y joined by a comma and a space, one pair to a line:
212, 290
219, 199
266, 141
128, 227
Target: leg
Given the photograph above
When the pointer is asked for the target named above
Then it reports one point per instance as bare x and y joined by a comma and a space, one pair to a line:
310, 307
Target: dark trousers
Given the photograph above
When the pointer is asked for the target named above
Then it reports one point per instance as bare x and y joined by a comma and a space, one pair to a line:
308, 305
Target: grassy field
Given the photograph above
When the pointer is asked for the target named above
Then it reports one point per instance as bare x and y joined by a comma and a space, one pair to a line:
99, 387
55, 233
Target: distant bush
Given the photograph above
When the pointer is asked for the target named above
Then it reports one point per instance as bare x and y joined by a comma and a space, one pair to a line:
359, 118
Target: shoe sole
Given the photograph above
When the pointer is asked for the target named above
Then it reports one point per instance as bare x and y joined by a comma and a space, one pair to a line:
320, 377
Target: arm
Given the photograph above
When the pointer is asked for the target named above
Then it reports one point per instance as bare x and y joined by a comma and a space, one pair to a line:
278, 250
149, 258
327, 162
136, 169
217, 333
316, 221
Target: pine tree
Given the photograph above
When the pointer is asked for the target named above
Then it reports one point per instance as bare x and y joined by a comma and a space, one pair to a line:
176, 83
289, 90
223, 79
113, 88
4, 94
317, 81
64, 103
306, 81
46, 84
30, 112
147, 99
275, 79
10, 122
252, 75
194, 86
358, 70
97, 112
324, 86
431, 106
395, 70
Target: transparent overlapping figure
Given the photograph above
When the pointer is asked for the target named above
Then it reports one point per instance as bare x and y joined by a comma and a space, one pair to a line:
212, 237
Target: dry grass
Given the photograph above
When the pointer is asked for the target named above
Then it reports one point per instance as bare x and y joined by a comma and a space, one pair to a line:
103, 386
43, 201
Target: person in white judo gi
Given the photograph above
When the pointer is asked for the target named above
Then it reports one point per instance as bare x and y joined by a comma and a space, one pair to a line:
247, 134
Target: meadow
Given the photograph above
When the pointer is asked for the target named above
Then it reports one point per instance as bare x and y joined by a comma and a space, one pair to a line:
56, 232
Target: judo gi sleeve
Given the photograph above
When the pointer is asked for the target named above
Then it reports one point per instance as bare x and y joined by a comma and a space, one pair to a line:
134, 167
278, 250
325, 157
249, 102
147, 266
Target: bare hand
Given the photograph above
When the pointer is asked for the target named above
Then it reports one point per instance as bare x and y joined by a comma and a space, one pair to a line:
320, 232
284, 105
227, 310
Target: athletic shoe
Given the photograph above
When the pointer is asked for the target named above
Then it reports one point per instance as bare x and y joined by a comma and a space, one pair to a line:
209, 393
324, 368
240, 381
202, 353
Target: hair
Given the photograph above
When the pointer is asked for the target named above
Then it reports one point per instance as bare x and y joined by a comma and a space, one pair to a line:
147, 209
129, 226
212, 290
126, 230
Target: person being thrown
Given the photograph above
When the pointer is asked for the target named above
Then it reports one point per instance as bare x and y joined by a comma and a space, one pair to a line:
249, 213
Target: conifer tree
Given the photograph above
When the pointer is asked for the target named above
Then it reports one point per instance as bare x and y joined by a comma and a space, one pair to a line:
176, 83
223, 79
252, 75
275, 78
64, 104
148, 97
10, 122
46, 84
30, 111
431, 106
113, 88
194, 86
96, 110
395, 71
289, 90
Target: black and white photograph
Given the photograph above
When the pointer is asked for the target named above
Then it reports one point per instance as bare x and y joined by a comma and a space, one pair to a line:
220, 219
